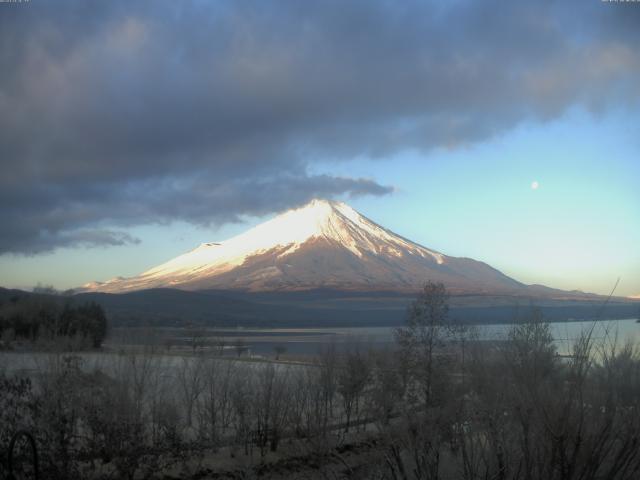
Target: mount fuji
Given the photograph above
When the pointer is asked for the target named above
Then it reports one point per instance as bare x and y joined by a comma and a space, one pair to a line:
324, 244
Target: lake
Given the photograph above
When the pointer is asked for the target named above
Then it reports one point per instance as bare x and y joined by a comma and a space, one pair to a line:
305, 341
301, 341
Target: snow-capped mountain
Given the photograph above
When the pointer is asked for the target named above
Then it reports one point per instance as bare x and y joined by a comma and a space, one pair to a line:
324, 244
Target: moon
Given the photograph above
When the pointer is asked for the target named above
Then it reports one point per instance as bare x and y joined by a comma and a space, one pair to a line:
534, 185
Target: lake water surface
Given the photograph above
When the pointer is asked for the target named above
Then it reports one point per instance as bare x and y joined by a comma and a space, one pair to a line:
311, 340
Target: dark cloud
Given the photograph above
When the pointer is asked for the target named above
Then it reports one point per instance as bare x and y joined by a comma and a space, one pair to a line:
121, 113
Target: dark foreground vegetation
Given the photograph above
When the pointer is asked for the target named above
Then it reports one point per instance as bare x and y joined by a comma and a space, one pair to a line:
442, 405
38, 319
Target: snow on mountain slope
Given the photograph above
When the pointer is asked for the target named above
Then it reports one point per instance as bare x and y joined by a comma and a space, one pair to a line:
323, 244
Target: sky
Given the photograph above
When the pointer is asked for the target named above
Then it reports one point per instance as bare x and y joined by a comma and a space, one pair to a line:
131, 132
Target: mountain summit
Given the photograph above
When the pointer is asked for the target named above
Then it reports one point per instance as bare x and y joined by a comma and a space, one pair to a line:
323, 244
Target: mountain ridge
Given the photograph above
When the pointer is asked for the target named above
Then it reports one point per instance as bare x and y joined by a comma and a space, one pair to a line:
323, 307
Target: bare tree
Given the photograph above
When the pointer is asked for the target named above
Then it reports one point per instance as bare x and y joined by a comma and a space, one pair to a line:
387, 391
353, 377
423, 335
241, 347
190, 377
279, 350
299, 402
328, 383
242, 389
215, 409
271, 406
